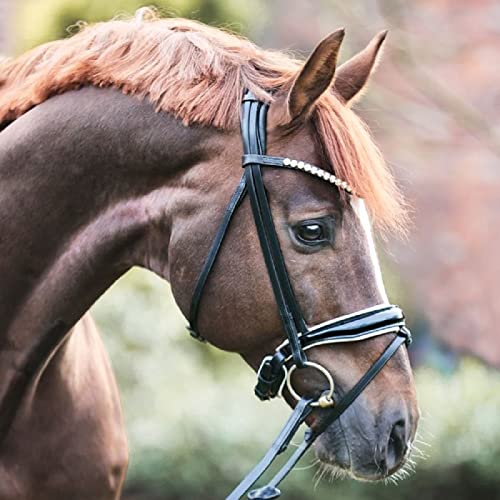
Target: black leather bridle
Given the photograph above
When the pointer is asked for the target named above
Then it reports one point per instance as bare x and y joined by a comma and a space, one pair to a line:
276, 369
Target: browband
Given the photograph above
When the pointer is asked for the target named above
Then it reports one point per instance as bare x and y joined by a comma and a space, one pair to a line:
278, 161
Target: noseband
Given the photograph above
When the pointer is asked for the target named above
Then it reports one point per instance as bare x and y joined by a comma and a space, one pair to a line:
276, 370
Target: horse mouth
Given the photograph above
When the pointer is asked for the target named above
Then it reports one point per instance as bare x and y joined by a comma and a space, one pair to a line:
341, 456
330, 467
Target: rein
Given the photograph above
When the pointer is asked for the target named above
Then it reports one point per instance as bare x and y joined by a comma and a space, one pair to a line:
276, 370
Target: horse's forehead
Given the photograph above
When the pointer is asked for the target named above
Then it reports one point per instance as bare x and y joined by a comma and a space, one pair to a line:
295, 192
301, 143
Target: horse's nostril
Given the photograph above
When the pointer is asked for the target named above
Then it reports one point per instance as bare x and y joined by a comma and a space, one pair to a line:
396, 446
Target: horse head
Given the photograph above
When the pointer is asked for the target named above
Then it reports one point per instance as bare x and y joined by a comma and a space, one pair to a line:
325, 236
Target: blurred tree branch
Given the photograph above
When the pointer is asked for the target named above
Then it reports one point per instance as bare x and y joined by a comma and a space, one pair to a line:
406, 57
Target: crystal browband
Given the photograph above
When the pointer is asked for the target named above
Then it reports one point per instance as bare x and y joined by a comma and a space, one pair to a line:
278, 161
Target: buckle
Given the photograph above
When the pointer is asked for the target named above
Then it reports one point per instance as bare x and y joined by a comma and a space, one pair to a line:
406, 333
270, 377
195, 334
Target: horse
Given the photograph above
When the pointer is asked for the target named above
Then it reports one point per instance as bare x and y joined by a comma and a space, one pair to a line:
121, 147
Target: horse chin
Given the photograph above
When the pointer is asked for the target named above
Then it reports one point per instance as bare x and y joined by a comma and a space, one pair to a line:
334, 455
329, 468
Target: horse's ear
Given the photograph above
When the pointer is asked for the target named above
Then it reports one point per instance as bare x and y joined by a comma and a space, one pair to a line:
352, 76
316, 76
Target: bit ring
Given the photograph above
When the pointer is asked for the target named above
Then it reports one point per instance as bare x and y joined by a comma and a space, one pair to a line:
326, 399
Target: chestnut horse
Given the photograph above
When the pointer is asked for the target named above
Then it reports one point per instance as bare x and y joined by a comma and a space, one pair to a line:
121, 147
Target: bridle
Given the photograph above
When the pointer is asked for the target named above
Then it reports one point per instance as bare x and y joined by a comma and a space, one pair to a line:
276, 369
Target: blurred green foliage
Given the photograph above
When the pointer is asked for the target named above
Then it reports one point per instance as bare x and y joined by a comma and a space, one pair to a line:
39, 22
195, 427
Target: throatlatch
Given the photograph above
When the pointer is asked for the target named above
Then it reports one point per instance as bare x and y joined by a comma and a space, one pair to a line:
276, 369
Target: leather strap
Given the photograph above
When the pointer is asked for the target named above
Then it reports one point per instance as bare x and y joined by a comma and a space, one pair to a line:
280, 444
360, 386
256, 159
365, 324
233, 204
253, 131
271, 489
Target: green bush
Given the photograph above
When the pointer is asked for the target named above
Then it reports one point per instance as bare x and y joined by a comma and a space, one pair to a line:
195, 426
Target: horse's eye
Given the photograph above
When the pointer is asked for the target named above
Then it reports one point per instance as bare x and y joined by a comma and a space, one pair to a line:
310, 232
312, 235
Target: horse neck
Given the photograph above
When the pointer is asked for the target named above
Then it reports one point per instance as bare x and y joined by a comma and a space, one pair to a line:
87, 182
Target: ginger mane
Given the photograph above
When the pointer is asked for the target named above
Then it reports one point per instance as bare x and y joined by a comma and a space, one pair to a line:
198, 73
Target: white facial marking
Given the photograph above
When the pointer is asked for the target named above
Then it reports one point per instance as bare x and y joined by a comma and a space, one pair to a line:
360, 210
